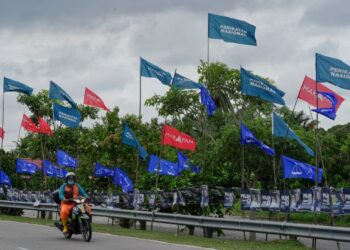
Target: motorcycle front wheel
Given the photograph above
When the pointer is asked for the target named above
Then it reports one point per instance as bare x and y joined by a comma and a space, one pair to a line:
68, 235
86, 230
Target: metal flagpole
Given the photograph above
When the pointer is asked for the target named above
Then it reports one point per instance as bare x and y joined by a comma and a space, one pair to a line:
3, 118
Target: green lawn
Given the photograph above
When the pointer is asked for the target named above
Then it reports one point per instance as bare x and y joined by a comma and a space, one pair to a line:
217, 243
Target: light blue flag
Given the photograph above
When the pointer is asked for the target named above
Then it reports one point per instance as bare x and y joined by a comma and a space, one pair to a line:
67, 116
297, 169
231, 30
130, 139
255, 86
14, 86
148, 69
64, 159
181, 82
56, 92
281, 129
332, 70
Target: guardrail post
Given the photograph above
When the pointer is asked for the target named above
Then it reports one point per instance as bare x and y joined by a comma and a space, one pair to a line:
207, 232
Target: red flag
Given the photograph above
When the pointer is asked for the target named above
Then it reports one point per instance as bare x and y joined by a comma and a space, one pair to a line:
91, 99
2, 133
44, 127
307, 93
171, 136
29, 125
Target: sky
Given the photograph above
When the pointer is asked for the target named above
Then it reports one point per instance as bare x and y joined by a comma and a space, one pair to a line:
98, 44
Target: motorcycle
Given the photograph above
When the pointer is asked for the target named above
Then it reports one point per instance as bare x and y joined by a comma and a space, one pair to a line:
79, 222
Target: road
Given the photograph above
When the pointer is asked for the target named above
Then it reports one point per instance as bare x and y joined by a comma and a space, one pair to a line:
22, 236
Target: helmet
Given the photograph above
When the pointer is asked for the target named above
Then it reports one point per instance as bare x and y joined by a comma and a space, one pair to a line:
70, 178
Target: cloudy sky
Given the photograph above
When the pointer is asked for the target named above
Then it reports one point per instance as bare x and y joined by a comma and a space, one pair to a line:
97, 44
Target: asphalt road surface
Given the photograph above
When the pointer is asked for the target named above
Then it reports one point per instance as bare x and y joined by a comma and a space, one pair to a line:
22, 236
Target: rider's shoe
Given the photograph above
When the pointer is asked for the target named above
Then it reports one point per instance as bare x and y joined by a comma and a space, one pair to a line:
65, 226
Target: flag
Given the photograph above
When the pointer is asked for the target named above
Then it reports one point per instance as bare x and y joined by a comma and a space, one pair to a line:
61, 173
332, 70
5, 179
181, 82
255, 86
329, 112
44, 127
67, 116
2, 133
171, 136
207, 101
130, 139
248, 138
123, 180
297, 169
64, 159
231, 30
163, 167
26, 167
181, 161
308, 93
196, 169
14, 86
56, 92
49, 169
102, 171
91, 99
148, 69
281, 129
29, 125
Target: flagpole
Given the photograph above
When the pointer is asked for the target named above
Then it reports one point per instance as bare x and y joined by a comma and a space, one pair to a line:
3, 118
273, 158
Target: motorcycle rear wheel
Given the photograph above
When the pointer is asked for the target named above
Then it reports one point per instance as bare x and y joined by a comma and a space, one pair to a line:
86, 230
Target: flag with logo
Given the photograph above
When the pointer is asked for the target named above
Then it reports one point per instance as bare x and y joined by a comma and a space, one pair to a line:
15, 86
182, 162
29, 125
67, 116
330, 111
231, 30
65, 159
181, 82
256, 86
102, 171
171, 136
148, 69
26, 167
123, 180
56, 92
92, 99
162, 167
332, 70
207, 101
248, 138
49, 169
44, 127
2, 133
5, 179
129, 138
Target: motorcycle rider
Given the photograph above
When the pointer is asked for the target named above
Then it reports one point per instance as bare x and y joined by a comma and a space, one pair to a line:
70, 190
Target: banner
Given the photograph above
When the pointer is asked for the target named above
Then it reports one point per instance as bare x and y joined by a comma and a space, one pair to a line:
207, 101
130, 139
281, 129
325, 201
92, 99
171, 136
231, 30
123, 180
337, 200
295, 200
332, 70
102, 171
14, 86
5, 179
67, 116
148, 69
307, 93
64, 159
204, 196
255, 199
181, 82
265, 200
248, 138
306, 200
56, 92
246, 199
275, 200
44, 127
316, 199
29, 125
255, 86
346, 201
228, 198
162, 167
284, 201
25, 167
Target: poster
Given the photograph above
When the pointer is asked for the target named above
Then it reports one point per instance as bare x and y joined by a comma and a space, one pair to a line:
346, 201
316, 199
228, 202
306, 200
151, 199
181, 199
255, 199
336, 200
295, 200
136, 200
265, 200
204, 196
284, 201
245, 199
325, 201
275, 200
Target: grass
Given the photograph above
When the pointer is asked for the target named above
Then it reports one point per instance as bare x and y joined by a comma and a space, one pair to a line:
216, 243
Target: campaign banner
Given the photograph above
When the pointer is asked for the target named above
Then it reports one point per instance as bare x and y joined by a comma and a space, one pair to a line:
265, 200
295, 200
325, 201
181, 199
136, 200
337, 200
246, 199
151, 196
256, 199
346, 202
316, 199
306, 200
204, 196
228, 198
275, 200
284, 201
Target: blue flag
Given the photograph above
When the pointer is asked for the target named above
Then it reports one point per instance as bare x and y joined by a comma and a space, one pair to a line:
248, 138
195, 169
49, 169
181, 82
329, 112
67, 116
181, 161
130, 139
281, 129
123, 180
14, 86
102, 171
231, 30
207, 101
25, 167
148, 69
332, 70
56, 92
255, 86
61, 173
296, 169
64, 159
165, 167
5, 179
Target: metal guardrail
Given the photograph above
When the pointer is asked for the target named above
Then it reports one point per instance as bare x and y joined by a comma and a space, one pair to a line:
245, 225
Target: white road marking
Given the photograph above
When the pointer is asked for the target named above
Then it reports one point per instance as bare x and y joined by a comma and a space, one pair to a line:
22, 248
